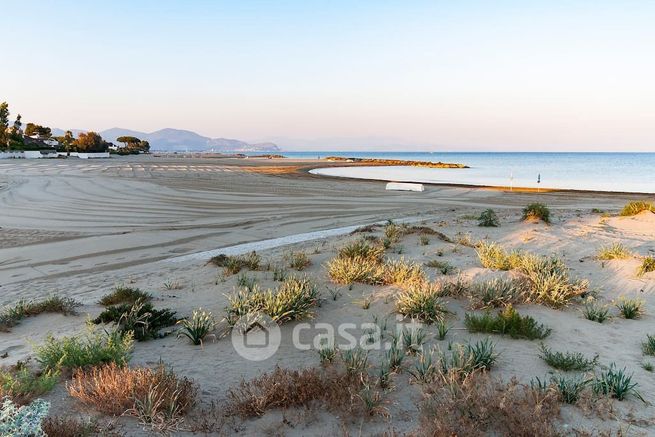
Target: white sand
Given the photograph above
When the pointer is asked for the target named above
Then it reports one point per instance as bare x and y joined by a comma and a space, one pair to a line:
99, 224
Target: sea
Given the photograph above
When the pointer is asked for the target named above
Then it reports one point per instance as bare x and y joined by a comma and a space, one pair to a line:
618, 172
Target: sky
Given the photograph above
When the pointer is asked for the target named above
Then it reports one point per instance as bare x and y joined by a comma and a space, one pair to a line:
341, 75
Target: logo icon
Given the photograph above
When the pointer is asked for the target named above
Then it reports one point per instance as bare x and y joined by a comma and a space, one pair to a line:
256, 337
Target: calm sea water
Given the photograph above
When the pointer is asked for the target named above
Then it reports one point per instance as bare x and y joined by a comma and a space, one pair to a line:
631, 172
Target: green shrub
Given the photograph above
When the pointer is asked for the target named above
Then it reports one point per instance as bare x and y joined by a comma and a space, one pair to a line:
570, 388
294, 299
10, 316
648, 347
634, 208
197, 327
496, 293
442, 266
442, 330
595, 312
615, 383
141, 318
22, 386
488, 218
234, 264
122, 295
507, 322
631, 308
567, 361
536, 211
647, 266
422, 301
613, 251
298, 260
466, 359
97, 347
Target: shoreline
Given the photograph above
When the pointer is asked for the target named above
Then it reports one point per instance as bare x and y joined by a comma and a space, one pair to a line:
503, 188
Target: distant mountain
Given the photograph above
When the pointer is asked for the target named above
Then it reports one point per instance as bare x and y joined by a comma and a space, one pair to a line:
182, 140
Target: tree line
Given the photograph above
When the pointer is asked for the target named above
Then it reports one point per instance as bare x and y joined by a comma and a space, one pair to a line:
36, 137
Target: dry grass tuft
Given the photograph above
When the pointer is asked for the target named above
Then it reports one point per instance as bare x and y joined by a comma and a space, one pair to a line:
634, 208
298, 260
10, 316
479, 405
66, 426
156, 396
283, 388
613, 251
647, 266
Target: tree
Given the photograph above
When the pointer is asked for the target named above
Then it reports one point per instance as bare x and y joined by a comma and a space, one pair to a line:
42, 132
90, 142
66, 141
132, 145
16, 141
4, 124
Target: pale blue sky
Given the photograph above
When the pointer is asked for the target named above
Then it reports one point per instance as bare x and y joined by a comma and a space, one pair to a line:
439, 75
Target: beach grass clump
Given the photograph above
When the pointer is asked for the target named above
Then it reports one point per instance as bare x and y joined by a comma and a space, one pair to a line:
298, 260
536, 211
11, 316
293, 299
413, 340
489, 219
630, 308
197, 327
124, 295
613, 251
444, 267
96, 347
140, 318
479, 405
648, 347
22, 385
362, 249
548, 281
507, 322
355, 360
634, 208
347, 271
567, 361
496, 293
465, 359
595, 312
570, 388
647, 266
403, 273
493, 256
233, 264
616, 384
422, 301
157, 397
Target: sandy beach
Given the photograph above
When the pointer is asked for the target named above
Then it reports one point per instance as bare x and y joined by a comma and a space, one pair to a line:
78, 229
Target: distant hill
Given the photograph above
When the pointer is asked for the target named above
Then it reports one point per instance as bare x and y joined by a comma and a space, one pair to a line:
182, 140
